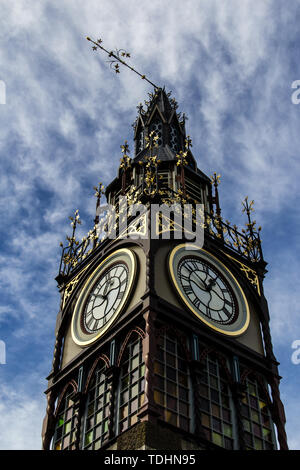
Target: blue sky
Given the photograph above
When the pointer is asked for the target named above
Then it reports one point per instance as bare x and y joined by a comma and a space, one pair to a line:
230, 66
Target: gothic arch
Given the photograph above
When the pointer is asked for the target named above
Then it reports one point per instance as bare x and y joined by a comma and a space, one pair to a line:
106, 362
221, 359
72, 384
179, 336
251, 373
136, 330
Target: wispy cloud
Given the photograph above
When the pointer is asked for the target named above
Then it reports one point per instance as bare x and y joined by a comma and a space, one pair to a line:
230, 66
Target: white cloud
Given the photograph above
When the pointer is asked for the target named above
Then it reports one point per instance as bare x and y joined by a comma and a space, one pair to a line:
67, 115
21, 418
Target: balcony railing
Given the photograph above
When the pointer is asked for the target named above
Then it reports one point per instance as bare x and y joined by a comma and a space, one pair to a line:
246, 243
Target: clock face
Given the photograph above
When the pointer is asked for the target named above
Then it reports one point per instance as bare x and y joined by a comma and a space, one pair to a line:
209, 289
103, 296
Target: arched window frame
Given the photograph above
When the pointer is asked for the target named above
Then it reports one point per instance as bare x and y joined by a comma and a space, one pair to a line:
256, 406
174, 137
172, 386
130, 396
64, 437
217, 410
157, 126
96, 418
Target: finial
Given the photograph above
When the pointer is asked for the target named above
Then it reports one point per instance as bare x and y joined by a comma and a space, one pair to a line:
188, 142
125, 160
215, 179
115, 57
140, 108
99, 190
182, 157
125, 147
248, 208
75, 220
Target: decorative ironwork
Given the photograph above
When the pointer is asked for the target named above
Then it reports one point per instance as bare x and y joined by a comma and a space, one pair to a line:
125, 161
182, 161
215, 180
70, 287
250, 274
150, 176
115, 57
246, 243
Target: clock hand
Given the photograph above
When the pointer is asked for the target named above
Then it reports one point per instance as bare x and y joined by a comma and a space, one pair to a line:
196, 282
210, 284
107, 293
108, 284
97, 295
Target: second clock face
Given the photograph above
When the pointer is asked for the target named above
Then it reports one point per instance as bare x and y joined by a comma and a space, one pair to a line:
209, 289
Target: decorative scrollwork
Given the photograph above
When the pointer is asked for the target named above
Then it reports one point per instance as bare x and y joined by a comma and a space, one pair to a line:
116, 58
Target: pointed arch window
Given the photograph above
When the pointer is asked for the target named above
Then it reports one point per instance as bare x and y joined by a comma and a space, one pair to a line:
140, 141
97, 410
174, 138
257, 422
172, 382
216, 403
157, 127
132, 384
66, 422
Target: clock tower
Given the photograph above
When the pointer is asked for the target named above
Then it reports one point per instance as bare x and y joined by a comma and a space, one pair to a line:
162, 339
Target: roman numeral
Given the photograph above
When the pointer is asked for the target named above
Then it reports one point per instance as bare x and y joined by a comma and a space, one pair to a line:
188, 290
208, 312
191, 266
184, 278
227, 313
205, 268
196, 302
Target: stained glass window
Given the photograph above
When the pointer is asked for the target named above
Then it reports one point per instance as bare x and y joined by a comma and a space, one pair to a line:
131, 384
96, 415
64, 435
172, 382
216, 404
257, 421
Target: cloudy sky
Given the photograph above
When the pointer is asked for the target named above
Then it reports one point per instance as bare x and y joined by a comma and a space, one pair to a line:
230, 65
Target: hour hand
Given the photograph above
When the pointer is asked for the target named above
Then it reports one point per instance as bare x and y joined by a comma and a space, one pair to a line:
210, 284
98, 295
108, 284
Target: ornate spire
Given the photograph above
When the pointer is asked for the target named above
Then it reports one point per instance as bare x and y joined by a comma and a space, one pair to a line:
159, 115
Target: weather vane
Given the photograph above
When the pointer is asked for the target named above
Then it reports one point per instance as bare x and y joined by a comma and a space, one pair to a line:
115, 57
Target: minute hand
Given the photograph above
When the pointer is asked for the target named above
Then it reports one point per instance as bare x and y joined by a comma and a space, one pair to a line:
196, 281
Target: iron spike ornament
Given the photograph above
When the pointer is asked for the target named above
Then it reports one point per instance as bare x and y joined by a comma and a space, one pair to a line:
116, 57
